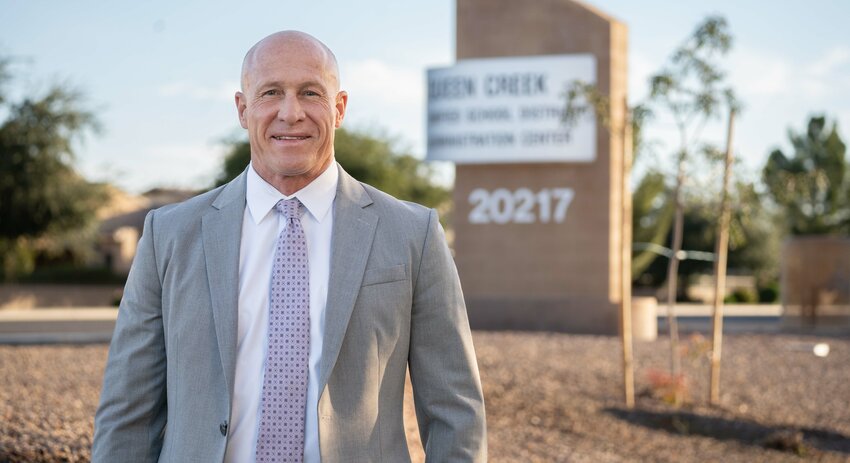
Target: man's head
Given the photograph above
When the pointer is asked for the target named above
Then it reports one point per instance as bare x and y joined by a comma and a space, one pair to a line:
290, 104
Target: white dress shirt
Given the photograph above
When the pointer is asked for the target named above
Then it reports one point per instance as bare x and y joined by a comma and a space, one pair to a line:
261, 225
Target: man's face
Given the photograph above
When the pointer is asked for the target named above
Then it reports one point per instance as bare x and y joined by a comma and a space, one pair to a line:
290, 105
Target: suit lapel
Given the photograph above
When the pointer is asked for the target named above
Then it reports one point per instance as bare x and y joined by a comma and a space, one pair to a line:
222, 231
351, 242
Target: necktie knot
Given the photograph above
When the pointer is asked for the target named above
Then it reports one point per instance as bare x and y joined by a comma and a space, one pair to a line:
290, 208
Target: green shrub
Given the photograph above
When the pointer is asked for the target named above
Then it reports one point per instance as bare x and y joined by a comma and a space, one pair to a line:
72, 274
742, 296
769, 294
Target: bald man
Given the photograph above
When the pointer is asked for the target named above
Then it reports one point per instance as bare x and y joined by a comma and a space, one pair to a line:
275, 318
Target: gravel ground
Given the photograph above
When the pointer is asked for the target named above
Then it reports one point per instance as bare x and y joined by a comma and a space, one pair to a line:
550, 397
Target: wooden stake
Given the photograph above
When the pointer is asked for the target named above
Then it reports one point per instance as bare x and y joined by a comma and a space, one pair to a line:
720, 252
626, 269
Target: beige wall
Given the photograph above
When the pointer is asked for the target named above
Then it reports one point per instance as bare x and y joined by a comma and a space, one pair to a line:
31, 296
565, 276
816, 280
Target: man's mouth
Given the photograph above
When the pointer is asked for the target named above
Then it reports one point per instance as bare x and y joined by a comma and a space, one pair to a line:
288, 137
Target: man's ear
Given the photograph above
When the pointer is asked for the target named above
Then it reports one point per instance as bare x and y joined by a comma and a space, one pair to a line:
240, 108
341, 102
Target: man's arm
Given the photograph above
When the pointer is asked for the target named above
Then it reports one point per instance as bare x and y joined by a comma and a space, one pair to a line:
443, 369
131, 417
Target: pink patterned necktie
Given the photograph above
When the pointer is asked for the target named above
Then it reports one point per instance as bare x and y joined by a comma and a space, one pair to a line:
281, 433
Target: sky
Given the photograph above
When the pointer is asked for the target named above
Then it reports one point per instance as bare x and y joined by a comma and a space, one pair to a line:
160, 75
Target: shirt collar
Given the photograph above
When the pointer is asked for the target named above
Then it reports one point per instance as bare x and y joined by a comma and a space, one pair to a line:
317, 197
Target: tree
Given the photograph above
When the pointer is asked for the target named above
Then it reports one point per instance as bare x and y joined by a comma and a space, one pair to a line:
753, 235
368, 158
689, 89
40, 193
652, 216
812, 186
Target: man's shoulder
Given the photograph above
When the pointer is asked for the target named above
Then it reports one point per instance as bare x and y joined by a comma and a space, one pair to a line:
386, 204
193, 206
183, 214
380, 202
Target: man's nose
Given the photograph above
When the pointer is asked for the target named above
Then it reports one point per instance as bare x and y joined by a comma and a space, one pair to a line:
290, 110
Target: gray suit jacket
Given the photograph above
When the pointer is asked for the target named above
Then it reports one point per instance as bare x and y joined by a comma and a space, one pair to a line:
394, 302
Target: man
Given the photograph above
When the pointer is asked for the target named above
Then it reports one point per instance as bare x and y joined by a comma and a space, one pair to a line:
275, 317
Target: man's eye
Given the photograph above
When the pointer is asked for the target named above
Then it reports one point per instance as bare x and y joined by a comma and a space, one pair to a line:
270, 93
311, 93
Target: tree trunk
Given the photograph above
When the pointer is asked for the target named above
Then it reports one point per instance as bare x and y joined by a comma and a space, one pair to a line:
672, 283
720, 252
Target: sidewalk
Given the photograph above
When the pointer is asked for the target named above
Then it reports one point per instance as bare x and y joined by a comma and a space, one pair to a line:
48, 326
737, 318
84, 325
729, 310
87, 325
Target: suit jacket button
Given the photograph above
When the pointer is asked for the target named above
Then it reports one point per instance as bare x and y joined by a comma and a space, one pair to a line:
223, 428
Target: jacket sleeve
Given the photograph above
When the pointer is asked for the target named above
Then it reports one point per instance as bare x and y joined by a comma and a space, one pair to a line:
130, 420
443, 369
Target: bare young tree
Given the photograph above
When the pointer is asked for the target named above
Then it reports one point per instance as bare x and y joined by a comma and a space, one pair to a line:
691, 90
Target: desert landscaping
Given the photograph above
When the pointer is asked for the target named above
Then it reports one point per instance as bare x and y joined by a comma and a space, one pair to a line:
550, 398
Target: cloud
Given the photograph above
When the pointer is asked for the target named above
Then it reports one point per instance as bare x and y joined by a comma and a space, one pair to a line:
221, 92
760, 73
386, 98
830, 62
381, 83
754, 72
182, 165
828, 74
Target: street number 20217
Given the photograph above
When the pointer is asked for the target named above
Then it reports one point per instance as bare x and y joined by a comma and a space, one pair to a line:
519, 206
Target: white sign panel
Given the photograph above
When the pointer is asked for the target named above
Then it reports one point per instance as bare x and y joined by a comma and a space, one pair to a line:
509, 110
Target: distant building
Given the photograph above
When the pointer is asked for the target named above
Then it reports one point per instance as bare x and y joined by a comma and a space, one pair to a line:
121, 222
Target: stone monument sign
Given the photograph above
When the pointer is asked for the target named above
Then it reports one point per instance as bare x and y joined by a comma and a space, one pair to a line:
538, 205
